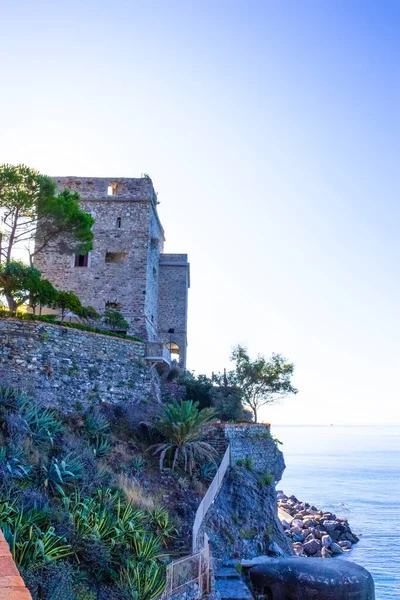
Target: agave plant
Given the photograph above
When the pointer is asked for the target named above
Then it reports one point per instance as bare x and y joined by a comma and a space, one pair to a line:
181, 424
137, 464
160, 523
96, 424
90, 520
101, 447
32, 543
11, 398
105, 517
62, 473
143, 582
42, 424
14, 466
206, 472
146, 548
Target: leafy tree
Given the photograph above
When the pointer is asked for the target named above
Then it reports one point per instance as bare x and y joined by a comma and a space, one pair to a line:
68, 301
88, 313
182, 424
32, 211
17, 282
115, 320
261, 381
43, 294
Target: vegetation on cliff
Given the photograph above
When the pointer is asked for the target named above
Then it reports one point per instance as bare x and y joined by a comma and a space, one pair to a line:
82, 500
240, 393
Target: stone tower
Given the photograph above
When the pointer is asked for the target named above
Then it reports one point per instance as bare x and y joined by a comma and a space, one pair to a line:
126, 269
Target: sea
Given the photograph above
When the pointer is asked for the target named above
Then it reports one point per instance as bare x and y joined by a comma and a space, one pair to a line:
353, 471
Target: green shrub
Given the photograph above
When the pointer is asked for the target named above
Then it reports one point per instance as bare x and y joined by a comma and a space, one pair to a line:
198, 389
227, 403
114, 319
247, 463
265, 479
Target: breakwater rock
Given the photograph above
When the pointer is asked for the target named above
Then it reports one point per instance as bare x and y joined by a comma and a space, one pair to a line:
299, 579
314, 532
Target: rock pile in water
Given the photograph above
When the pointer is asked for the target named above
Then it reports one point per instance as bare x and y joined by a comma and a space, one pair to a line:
312, 531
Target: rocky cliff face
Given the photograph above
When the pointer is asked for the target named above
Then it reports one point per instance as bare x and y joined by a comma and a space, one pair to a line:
243, 521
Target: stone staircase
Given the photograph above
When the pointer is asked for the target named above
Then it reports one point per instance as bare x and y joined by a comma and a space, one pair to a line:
230, 585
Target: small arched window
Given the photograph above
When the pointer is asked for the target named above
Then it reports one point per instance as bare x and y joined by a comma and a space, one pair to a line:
119, 221
174, 350
112, 189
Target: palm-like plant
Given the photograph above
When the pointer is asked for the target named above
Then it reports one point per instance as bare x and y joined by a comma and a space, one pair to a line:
181, 424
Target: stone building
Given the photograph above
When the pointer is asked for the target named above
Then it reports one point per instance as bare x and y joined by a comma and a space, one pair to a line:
127, 268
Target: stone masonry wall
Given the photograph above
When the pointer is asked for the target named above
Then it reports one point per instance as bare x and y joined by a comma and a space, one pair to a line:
67, 368
126, 224
253, 440
174, 282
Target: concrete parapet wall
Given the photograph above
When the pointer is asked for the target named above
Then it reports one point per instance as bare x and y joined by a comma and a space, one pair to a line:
62, 367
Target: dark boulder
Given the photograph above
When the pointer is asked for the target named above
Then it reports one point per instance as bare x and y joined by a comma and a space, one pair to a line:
295, 578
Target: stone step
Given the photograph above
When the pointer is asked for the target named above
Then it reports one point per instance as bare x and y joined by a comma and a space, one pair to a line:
233, 589
231, 562
227, 573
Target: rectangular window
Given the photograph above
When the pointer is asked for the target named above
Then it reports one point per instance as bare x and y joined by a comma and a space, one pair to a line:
81, 260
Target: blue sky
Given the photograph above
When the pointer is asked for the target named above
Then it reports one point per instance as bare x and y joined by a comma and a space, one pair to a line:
271, 131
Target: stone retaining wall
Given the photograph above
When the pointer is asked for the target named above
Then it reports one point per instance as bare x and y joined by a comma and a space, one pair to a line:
254, 441
69, 369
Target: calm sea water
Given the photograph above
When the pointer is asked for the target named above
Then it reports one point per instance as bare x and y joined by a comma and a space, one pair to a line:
354, 472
